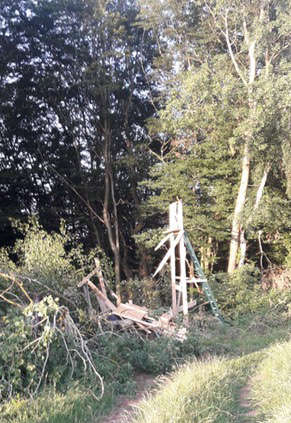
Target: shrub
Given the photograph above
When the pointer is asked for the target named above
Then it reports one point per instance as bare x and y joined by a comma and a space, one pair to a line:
40, 345
156, 356
149, 292
50, 263
240, 293
243, 293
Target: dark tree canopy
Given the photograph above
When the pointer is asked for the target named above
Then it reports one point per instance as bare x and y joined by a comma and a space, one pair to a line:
112, 109
74, 100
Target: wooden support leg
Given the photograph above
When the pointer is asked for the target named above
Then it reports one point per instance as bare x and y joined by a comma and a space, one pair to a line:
183, 282
173, 275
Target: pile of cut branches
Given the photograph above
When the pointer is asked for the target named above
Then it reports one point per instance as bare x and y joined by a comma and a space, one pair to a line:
39, 344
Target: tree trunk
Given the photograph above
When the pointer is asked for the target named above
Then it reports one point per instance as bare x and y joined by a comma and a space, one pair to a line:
239, 206
124, 259
207, 256
245, 174
243, 242
286, 149
112, 228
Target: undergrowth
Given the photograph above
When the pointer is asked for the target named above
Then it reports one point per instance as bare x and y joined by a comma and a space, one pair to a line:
51, 352
75, 405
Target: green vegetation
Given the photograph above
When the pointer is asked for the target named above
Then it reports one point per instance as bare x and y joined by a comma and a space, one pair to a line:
52, 357
176, 99
210, 390
76, 405
110, 110
207, 389
271, 385
202, 392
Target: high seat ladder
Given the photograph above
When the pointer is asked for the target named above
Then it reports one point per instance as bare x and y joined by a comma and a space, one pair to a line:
203, 280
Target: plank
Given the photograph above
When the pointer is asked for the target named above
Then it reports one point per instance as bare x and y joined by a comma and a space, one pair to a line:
134, 306
167, 256
176, 215
173, 274
162, 242
86, 278
100, 275
142, 327
130, 312
103, 297
103, 282
196, 280
142, 322
183, 283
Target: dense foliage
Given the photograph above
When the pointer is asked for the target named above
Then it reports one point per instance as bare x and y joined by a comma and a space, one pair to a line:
110, 110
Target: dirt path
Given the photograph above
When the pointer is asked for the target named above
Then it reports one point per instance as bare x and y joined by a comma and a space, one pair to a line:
126, 405
245, 402
123, 410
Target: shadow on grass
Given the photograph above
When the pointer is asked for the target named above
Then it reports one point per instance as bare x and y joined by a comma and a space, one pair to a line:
76, 405
253, 334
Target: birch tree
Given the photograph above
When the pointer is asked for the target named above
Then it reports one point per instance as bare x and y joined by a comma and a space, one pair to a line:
256, 35
231, 81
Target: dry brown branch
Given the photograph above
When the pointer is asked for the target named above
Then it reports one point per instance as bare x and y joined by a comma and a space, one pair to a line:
15, 276
43, 370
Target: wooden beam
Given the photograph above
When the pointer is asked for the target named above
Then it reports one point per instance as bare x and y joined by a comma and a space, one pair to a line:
100, 275
86, 278
183, 283
176, 216
103, 307
196, 280
142, 322
173, 274
142, 327
172, 231
167, 256
162, 242
103, 297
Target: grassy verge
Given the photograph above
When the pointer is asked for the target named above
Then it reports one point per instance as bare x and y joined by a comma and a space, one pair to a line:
271, 388
209, 391
201, 392
74, 406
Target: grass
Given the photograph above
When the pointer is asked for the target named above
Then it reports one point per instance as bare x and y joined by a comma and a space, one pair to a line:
201, 392
75, 406
271, 387
254, 333
208, 391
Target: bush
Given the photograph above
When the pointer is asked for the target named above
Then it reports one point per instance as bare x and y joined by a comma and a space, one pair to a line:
50, 263
241, 293
156, 356
23, 346
40, 345
149, 292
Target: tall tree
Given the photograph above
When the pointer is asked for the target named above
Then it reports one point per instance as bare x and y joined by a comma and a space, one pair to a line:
75, 97
231, 70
